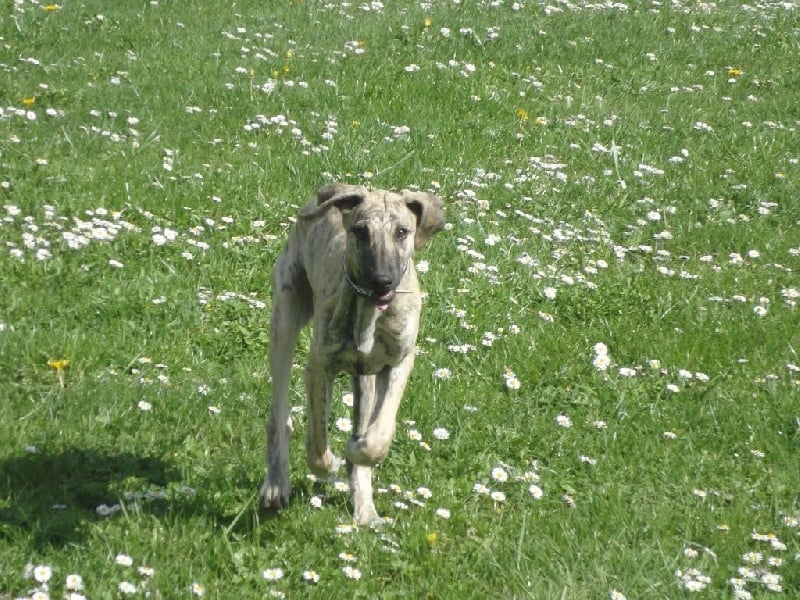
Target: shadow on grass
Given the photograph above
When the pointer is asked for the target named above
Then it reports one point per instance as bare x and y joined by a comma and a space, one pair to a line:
52, 497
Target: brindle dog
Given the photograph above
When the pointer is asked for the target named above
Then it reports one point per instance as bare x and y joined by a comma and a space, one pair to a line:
347, 267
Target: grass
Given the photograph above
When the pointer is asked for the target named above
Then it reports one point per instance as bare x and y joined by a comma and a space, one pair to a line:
616, 174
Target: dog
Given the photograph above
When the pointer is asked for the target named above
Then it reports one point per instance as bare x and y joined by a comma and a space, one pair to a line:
347, 267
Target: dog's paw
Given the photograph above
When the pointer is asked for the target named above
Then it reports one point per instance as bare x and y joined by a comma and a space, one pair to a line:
356, 452
326, 465
274, 495
367, 516
366, 452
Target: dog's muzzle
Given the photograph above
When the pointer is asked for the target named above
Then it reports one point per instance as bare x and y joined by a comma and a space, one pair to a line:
382, 294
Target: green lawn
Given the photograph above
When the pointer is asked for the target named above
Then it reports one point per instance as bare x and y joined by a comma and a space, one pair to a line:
606, 400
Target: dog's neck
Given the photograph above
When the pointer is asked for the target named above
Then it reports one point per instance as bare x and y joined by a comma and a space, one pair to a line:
354, 318
366, 318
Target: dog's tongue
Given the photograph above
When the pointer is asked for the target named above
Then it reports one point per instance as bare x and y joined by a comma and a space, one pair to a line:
383, 301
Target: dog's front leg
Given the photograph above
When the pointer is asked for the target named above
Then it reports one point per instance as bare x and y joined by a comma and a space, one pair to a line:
360, 475
376, 401
372, 440
319, 384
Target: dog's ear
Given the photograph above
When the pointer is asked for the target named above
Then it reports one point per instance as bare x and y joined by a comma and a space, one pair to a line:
340, 195
429, 211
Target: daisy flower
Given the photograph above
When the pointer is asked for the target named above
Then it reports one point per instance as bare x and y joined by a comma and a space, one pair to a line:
126, 587
42, 573
500, 474
351, 572
123, 560
601, 362
563, 421
753, 558
442, 373
480, 488
273, 574
311, 576
343, 529
440, 433
74, 582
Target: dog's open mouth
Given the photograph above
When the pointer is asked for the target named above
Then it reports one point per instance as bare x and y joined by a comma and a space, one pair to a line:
382, 301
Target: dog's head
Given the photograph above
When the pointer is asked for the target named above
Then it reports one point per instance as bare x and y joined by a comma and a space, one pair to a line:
383, 230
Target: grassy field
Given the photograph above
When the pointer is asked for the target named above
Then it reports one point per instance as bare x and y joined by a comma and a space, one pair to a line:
606, 401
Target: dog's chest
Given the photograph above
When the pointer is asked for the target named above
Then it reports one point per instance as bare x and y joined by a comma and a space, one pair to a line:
373, 346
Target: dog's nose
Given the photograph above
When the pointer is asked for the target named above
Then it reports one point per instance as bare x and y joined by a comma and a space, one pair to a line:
381, 282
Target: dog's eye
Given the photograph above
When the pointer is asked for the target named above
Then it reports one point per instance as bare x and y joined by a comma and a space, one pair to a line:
360, 232
401, 233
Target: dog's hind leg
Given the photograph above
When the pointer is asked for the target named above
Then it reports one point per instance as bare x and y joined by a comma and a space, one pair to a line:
319, 388
292, 309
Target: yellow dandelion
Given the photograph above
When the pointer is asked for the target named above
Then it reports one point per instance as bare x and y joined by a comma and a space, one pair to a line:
431, 538
51, 7
59, 366
274, 74
29, 101
289, 54
522, 114
356, 123
427, 22
361, 43
734, 71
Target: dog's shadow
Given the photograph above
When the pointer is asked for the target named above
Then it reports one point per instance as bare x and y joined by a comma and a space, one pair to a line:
52, 497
